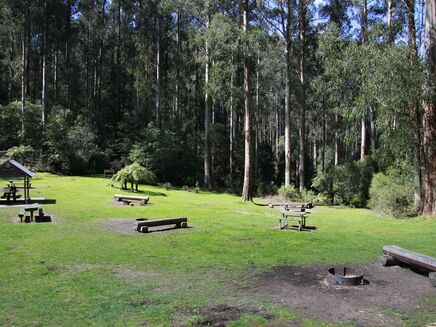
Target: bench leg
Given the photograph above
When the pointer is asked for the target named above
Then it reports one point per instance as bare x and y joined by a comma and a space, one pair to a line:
432, 277
387, 260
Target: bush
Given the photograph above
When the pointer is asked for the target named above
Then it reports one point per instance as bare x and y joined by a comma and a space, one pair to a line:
264, 188
24, 154
311, 196
347, 184
392, 194
290, 192
134, 174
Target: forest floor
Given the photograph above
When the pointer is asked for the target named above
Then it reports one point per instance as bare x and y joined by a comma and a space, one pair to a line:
233, 267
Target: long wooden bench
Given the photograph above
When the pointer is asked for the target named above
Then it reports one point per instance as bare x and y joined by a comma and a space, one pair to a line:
143, 226
393, 255
131, 198
295, 205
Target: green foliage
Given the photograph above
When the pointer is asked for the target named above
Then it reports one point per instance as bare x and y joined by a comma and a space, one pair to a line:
346, 184
313, 197
392, 194
264, 188
168, 155
290, 192
10, 125
71, 145
134, 174
24, 154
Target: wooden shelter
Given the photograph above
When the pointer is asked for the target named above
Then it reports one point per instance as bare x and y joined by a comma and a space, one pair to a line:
12, 169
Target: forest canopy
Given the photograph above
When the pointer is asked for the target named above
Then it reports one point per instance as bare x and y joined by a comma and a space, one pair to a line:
320, 97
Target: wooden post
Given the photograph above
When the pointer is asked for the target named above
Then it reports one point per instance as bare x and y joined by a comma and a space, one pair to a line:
432, 277
25, 189
387, 260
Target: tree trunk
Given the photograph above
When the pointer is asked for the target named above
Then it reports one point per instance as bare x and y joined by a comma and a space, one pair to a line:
390, 36
364, 129
207, 113
177, 92
158, 74
256, 117
11, 67
232, 128
25, 60
247, 187
336, 139
429, 194
44, 66
288, 49
415, 115
302, 170
315, 152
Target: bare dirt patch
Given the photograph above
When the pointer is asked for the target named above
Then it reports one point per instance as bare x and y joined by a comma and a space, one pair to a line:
220, 315
304, 289
126, 204
16, 220
125, 226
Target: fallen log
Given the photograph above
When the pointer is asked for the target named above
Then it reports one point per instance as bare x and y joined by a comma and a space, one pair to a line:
142, 226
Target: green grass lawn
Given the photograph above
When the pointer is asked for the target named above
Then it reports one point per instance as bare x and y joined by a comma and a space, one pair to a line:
78, 270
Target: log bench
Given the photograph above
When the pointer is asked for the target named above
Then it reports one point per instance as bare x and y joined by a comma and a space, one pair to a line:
297, 216
143, 226
393, 255
306, 205
143, 200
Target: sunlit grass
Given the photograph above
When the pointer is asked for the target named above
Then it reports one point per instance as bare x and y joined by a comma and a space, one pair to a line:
60, 273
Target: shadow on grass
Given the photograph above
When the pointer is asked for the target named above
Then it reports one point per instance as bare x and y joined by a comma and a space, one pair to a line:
260, 204
164, 229
148, 193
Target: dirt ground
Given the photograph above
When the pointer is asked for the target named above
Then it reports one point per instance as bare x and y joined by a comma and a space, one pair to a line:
389, 293
389, 289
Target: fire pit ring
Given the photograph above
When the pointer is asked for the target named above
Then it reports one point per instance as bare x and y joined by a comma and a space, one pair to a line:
344, 276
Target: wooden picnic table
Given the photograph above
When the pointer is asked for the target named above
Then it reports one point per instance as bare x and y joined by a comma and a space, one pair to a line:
30, 209
297, 216
9, 192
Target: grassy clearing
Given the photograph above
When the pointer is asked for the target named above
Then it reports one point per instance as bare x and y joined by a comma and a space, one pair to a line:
78, 269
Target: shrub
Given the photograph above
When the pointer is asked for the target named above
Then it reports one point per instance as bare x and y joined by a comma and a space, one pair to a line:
311, 196
347, 184
24, 154
264, 188
134, 174
392, 194
289, 192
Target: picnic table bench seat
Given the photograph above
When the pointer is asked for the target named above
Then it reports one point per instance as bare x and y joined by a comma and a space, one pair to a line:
143, 225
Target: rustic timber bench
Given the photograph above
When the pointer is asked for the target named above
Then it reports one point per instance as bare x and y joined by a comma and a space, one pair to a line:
143, 225
131, 198
297, 216
294, 205
393, 255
